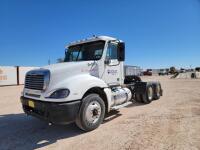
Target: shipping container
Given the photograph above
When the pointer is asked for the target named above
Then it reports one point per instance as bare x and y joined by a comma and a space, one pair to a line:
8, 75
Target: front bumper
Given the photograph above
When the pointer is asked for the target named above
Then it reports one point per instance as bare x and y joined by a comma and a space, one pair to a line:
57, 113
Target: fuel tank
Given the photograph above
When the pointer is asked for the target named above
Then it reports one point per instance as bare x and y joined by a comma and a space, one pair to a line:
120, 96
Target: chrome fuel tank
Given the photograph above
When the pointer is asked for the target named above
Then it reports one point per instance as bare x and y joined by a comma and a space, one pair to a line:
120, 96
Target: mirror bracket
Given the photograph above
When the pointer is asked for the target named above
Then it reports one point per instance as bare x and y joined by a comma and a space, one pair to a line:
107, 61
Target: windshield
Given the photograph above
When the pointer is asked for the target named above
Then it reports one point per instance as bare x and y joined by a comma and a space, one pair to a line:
85, 51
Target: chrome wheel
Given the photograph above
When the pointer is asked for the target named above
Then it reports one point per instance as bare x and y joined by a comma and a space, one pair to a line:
150, 93
93, 112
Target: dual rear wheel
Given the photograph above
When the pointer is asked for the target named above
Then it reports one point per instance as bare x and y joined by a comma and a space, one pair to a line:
152, 92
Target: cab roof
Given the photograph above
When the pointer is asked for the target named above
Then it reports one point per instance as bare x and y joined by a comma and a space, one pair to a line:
92, 39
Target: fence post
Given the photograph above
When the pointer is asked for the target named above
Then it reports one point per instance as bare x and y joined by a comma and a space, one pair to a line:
17, 67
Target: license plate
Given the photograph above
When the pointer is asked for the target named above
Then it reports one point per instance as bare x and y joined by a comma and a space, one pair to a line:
31, 104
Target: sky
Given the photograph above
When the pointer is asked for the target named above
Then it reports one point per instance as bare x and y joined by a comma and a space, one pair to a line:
157, 33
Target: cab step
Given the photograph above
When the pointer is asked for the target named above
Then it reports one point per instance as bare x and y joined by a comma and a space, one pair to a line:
121, 106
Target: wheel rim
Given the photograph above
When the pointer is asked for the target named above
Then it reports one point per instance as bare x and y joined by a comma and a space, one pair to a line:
93, 112
150, 93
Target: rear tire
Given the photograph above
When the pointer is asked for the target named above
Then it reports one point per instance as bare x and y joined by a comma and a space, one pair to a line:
157, 92
91, 113
147, 97
138, 98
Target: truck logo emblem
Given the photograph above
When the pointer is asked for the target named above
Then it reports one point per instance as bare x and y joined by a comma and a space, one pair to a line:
112, 72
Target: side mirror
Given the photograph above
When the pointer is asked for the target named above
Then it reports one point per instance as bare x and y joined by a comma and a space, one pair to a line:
121, 51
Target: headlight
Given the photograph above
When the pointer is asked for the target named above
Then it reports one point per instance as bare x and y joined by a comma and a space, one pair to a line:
61, 93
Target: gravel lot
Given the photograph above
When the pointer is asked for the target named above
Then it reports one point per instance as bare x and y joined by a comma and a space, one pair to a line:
173, 122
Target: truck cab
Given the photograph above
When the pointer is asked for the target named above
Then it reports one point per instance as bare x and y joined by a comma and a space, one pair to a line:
103, 55
86, 86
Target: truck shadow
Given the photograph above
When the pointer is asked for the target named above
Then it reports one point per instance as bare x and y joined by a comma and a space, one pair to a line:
116, 113
134, 104
111, 115
19, 131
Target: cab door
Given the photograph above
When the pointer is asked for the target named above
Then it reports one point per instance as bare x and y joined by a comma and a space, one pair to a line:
112, 67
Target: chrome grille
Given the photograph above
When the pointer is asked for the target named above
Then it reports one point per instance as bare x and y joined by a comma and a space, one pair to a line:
34, 81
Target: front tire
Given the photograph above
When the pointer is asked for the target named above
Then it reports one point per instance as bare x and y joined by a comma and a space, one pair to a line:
91, 113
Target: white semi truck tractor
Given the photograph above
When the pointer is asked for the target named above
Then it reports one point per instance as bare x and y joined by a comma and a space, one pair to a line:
87, 85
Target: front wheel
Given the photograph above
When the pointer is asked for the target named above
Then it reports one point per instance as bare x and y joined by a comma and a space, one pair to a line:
91, 113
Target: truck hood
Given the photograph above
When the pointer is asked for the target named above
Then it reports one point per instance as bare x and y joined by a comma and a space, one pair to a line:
66, 66
62, 71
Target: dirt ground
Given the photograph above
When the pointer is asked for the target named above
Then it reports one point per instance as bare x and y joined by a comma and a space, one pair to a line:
173, 122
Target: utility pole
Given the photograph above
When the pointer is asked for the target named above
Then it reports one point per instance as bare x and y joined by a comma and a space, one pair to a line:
49, 61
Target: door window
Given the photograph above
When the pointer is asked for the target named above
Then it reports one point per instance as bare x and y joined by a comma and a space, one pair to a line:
112, 51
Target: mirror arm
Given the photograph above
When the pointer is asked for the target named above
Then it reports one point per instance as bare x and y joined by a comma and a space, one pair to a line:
107, 61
